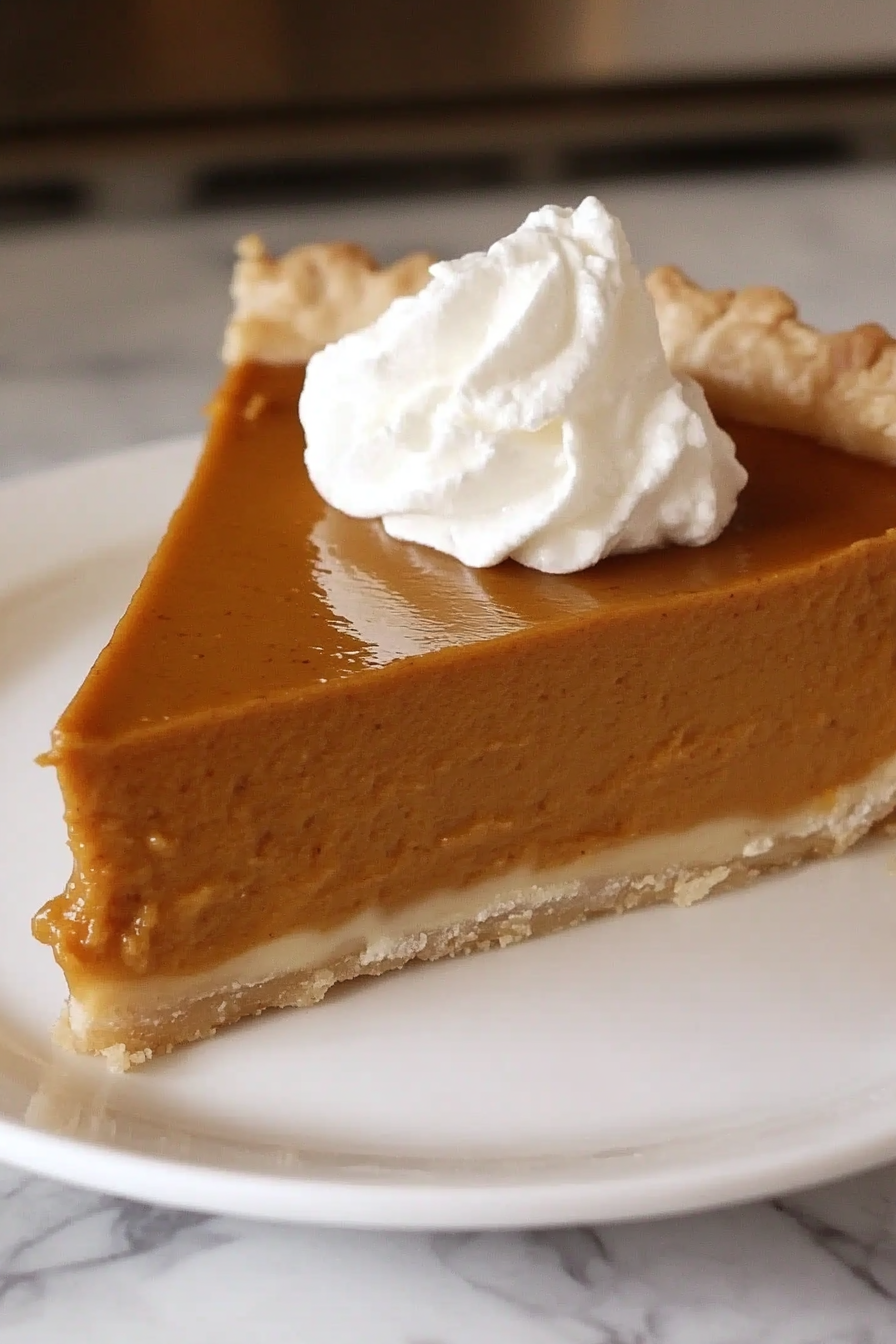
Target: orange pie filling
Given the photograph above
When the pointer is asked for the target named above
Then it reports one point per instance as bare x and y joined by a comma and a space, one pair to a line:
331, 752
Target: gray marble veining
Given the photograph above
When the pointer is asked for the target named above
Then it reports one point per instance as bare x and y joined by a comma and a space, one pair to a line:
814, 1269
108, 337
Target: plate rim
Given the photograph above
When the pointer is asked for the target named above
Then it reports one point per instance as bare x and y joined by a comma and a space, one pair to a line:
453, 1205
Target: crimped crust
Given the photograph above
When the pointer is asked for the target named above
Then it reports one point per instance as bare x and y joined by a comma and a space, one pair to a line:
286, 309
747, 348
757, 362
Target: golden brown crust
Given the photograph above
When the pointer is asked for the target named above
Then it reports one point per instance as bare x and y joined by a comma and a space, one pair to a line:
757, 362
129, 1039
285, 309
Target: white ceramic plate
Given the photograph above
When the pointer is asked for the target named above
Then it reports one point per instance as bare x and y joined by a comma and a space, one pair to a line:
666, 1061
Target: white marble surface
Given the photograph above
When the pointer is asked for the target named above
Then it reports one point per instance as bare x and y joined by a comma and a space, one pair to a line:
107, 338
820, 1269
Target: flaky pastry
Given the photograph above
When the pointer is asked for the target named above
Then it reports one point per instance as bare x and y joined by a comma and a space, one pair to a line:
757, 362
287, 308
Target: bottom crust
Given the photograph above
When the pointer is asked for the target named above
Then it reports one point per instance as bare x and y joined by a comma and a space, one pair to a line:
129, 1022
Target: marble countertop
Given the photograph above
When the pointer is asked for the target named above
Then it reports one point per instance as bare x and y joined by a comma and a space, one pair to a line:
108, 338
819, 1269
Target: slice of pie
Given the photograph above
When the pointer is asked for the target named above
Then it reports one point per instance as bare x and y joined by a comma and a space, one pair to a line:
311, 752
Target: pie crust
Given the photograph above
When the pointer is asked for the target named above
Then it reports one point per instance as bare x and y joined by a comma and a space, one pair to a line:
757, 362
284, 309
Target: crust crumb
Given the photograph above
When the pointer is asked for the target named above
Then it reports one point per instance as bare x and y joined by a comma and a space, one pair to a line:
119, 1059
254, 406
689, 890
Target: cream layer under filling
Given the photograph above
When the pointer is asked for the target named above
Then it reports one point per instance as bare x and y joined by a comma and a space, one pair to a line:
685, 867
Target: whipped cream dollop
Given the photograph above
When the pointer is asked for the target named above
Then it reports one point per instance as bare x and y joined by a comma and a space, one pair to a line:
521, 405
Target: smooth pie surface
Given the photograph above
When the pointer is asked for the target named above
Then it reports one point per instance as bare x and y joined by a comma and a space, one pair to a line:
269, 590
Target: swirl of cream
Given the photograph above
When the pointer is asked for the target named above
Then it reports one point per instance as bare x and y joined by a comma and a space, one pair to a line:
521, 405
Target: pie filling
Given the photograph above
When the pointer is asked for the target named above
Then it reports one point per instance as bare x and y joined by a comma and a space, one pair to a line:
157, 1011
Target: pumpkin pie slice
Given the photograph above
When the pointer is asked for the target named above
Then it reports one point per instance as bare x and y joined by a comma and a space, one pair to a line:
310, 752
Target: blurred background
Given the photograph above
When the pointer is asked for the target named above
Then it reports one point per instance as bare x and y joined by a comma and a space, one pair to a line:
137, 105
138, 138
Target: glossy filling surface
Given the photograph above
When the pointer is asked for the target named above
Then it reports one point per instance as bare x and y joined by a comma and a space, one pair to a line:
261, 589
299, 719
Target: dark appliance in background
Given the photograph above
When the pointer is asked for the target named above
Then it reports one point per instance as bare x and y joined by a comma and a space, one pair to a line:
143, 105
